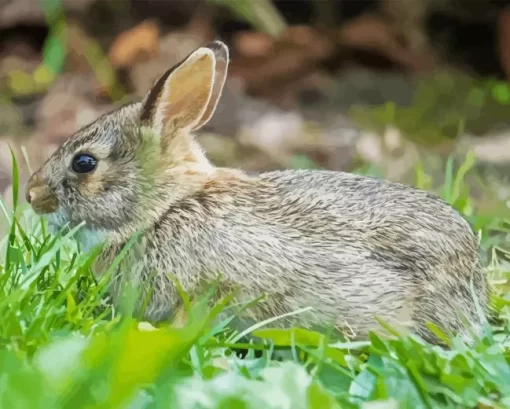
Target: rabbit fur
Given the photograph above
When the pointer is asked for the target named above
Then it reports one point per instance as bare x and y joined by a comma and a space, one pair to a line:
351, 247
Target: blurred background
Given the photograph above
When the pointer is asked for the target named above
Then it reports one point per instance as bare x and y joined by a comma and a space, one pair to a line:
391, 88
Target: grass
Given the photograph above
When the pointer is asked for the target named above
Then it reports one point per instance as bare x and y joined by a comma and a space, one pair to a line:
62, 345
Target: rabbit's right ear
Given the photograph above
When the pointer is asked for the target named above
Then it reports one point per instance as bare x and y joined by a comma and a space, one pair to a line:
221, 55
185, 97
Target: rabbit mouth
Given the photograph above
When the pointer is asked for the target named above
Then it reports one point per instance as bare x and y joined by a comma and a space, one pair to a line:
88, 238
57, 220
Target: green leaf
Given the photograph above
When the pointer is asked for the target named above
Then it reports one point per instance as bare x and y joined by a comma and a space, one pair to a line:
319, 398
501, 93
21, 386
289, 337
15, 180
54, 52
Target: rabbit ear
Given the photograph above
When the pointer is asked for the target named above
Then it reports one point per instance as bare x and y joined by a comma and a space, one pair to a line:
181, 96
221, 55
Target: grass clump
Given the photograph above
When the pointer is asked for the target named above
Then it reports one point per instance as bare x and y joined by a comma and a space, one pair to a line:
62, 345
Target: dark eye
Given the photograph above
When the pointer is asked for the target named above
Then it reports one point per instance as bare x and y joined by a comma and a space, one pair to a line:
84, 163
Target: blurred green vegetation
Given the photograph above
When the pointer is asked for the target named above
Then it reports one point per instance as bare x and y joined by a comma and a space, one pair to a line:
444, 105
55, 52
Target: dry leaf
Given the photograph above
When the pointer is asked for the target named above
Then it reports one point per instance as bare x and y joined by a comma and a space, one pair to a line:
140, 43
253, 44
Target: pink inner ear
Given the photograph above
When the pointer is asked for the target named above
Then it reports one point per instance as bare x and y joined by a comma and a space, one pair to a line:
219, 82
186, 92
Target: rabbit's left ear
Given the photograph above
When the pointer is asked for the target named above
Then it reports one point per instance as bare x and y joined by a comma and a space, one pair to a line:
186, 96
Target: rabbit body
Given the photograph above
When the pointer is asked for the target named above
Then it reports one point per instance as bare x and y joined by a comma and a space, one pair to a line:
352, 248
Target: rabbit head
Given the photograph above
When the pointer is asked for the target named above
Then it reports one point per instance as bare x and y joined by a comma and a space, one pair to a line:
122, 171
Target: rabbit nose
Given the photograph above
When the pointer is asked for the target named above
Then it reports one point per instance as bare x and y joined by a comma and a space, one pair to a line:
30, 193
28, 190
39, 196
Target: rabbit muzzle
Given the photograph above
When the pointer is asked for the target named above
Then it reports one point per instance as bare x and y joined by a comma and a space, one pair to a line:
40, 196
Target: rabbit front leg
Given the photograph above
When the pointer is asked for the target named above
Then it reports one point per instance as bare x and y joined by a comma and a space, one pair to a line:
155, 295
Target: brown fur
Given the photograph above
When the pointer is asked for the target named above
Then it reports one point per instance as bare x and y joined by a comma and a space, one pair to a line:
350, 247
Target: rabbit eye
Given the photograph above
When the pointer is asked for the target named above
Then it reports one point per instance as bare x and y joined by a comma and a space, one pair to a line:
84, 163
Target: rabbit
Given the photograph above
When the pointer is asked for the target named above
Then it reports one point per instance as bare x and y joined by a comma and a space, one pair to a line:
352, 248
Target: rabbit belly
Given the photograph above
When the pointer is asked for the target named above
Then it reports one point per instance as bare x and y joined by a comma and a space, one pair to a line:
348, 304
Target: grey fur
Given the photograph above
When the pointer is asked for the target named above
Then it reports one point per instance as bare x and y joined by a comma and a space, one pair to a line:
349, 246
